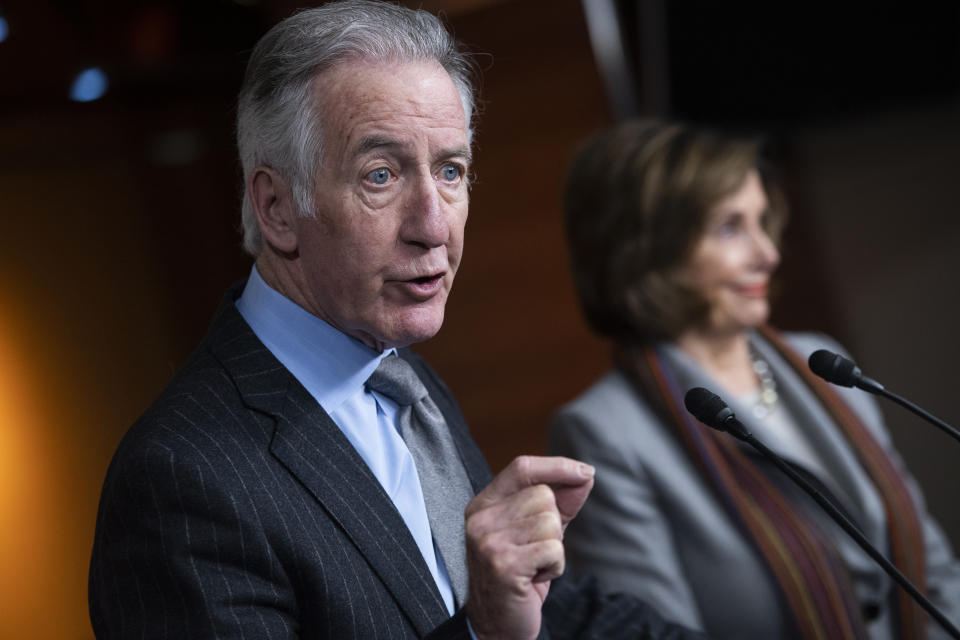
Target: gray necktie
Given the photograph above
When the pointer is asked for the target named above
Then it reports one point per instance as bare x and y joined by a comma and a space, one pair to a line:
446, 488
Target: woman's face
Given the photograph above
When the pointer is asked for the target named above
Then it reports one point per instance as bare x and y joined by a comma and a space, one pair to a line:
732, 262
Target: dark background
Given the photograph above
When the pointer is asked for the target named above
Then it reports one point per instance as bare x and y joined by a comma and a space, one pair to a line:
120, 220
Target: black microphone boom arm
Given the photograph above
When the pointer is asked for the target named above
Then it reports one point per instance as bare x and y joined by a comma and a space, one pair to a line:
836, 369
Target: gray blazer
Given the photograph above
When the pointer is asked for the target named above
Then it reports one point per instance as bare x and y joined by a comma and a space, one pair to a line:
236, 508
652, 526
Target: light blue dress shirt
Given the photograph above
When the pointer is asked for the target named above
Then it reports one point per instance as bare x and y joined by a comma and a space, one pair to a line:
333, 367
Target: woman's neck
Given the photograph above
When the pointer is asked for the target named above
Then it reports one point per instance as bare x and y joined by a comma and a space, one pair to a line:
725, 357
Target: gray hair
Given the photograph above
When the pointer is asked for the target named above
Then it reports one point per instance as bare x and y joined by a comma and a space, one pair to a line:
278, 124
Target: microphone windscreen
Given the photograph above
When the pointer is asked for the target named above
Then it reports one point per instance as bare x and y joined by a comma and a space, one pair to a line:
705, 406
834, 368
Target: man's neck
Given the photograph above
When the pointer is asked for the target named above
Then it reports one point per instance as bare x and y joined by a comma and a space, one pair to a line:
282, 273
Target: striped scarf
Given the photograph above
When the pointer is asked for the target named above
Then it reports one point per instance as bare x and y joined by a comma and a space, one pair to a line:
813, 582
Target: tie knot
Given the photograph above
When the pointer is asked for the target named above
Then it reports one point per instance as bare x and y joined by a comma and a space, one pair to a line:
397, 380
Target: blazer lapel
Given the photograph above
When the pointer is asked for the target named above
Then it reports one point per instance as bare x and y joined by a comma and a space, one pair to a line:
314, 449
849, 482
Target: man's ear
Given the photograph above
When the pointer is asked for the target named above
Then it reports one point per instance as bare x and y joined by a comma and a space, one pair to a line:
276, 211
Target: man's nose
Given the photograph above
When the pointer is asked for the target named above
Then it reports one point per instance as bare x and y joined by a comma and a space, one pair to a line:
425, 216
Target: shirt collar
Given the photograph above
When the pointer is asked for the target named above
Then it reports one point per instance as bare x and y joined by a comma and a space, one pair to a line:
331, 365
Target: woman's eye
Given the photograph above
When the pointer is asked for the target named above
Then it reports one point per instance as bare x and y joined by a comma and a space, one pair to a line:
379, 176
728, 227
450, 172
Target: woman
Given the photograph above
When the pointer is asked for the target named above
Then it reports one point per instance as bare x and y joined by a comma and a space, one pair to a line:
674, 237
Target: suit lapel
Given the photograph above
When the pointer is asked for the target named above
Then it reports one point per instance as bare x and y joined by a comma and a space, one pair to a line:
314, 449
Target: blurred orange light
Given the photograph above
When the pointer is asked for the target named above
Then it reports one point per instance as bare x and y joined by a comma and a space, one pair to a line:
32, 509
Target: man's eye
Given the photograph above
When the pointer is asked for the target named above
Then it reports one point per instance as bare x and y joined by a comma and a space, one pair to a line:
450, 172
379, 176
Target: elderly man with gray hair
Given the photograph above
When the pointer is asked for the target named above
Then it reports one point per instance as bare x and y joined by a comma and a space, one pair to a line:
305, 474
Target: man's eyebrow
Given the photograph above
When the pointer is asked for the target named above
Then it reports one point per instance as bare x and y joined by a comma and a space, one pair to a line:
370, 143
458, 152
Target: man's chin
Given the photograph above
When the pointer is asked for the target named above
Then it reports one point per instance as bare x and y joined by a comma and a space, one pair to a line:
413, 326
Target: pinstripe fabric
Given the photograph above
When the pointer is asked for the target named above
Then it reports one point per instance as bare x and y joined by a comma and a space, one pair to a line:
235, 508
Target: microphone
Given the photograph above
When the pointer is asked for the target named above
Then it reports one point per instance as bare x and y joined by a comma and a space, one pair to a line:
711, 410
834, 368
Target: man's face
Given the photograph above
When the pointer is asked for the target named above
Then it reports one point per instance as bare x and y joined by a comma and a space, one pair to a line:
379, 259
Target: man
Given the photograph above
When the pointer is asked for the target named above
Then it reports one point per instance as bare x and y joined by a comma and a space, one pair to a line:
284, 485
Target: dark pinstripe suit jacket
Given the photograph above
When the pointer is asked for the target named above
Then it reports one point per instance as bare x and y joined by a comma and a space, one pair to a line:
236, 508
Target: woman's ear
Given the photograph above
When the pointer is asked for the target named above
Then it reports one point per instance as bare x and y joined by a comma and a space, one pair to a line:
276, 211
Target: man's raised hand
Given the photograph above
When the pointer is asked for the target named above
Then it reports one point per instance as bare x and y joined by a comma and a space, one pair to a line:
514, 531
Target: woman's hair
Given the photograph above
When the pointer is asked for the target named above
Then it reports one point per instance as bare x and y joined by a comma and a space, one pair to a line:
636, 203
278, 121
